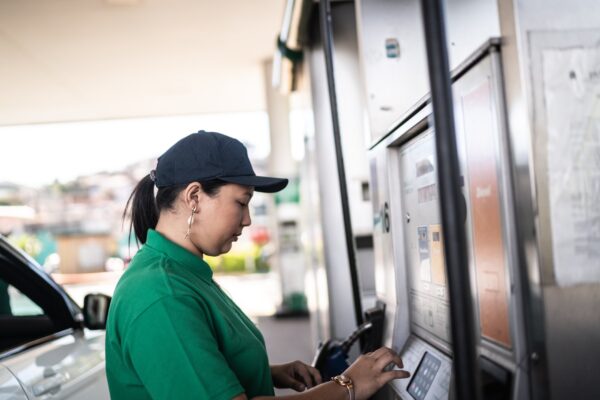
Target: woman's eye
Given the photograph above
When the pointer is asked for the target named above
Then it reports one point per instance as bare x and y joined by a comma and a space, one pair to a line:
242, 204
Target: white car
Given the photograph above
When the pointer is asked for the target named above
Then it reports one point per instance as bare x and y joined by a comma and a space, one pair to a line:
49, 347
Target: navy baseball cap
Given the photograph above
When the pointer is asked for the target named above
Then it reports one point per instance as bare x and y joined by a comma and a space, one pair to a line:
204, 156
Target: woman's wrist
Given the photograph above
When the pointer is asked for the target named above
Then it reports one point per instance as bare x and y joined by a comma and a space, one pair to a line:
346, 383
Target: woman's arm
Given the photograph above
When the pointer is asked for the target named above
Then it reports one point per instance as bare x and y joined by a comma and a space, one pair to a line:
367, 374
295, 375
329, 391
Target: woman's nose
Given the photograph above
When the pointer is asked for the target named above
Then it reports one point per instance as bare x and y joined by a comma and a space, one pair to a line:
246, 221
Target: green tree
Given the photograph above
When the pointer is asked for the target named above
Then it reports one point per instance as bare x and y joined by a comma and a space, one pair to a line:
30, 244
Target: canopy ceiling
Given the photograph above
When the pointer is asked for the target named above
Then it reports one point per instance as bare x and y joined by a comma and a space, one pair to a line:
67, 60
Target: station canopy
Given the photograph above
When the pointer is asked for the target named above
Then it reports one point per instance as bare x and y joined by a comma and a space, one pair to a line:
78, 60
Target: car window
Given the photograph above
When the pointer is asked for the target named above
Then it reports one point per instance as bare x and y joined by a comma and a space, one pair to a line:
25, 305
15, 303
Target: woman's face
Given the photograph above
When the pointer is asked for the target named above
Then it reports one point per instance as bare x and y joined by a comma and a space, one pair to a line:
221, 218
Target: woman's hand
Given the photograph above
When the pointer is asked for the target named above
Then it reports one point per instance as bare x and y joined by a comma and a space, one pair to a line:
368, 375
295, 375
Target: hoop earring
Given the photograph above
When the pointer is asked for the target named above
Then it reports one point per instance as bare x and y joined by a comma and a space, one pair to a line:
190, 222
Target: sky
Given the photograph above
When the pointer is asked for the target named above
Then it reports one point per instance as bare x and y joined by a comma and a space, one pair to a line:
35, 155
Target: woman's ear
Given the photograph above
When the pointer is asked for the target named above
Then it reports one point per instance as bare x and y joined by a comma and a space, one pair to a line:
192, 196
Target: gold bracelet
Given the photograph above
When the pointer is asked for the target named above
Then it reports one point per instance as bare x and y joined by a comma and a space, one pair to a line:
346, 382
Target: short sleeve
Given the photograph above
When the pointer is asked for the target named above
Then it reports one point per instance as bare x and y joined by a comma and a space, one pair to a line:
173, 349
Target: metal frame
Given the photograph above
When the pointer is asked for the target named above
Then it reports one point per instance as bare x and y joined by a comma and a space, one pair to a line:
467, 377
520, 352
327, 39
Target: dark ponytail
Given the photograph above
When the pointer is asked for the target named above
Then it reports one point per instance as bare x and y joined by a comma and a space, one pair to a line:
144, 208
141, 207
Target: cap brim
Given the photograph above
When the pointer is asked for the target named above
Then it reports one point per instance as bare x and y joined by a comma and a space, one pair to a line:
260, 183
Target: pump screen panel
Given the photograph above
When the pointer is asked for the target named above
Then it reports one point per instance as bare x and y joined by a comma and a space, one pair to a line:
422, 380
426, 273
477, 142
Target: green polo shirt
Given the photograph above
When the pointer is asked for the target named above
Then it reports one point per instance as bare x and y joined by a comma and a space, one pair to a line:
173, 334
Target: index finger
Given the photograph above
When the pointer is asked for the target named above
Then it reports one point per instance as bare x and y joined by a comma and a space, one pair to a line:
387, 359
381, 351
395, 374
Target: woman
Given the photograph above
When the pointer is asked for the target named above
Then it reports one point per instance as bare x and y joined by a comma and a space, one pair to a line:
172, 333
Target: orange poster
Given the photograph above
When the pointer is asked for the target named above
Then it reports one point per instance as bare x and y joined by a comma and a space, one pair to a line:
488, 244
438, 269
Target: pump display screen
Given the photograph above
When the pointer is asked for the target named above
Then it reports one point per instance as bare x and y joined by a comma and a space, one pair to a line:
427, 287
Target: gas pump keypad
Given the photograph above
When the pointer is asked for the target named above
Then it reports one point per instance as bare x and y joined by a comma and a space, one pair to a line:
423, 378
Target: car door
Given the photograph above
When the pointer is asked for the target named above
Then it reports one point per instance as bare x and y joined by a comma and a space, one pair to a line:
10, 389
70, 367
42, 340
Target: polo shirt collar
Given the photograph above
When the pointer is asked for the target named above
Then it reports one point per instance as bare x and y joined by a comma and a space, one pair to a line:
180, 255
